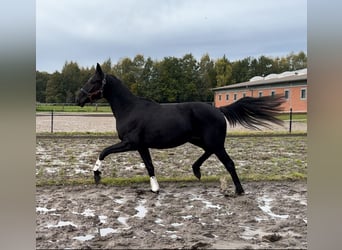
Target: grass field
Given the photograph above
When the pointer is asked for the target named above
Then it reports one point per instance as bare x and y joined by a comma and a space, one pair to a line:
106, 109
72, 108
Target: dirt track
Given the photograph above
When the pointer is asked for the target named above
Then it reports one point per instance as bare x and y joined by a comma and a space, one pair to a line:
104, 122
271, 215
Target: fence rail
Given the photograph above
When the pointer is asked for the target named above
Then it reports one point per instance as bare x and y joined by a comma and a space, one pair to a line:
52, 121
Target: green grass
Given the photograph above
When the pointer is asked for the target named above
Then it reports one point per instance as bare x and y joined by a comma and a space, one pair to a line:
62, 108
300, 116
229, 134
121, 181
77, 134
106, 109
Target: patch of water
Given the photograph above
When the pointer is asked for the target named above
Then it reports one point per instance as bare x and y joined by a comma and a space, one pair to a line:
84, 238
187, 217
81, 171
251, 233
172, 234
159, 221
44, 209
86, 213
108, 230
57, 162
296, 197
176, 224
123, 220
142, 210
62, 224
103, 219
51, 170
266, 207
208, 204
120, 201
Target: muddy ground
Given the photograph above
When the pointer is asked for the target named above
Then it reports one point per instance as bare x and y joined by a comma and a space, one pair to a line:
271, 215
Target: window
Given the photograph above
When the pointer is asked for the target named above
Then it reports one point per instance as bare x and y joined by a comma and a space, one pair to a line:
219, 97
260, 93
244, 95
235, 97
272, 93
303, 94
287, 94
227, 97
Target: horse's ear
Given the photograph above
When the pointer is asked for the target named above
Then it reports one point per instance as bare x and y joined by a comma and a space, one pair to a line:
99, 70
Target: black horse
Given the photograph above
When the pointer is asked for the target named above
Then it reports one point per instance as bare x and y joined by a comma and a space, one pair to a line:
143, 124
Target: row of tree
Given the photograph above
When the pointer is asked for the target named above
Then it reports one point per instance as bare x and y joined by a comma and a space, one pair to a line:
169, 80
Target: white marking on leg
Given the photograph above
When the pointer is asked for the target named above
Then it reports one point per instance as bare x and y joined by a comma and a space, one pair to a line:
154, 184
98, 165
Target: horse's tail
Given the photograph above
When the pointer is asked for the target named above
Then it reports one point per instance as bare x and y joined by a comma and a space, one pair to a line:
251, 112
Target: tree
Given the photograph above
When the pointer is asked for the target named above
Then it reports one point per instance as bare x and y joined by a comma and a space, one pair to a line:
70, 81
241, 70
223, 70
207, 78
54, 89
41, 82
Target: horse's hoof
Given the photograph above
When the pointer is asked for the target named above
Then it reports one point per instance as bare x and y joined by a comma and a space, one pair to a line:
197, 174
154, 184
156, 192
240, 193
97, 176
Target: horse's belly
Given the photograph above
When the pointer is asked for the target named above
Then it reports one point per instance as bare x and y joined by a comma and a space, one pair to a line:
168, 139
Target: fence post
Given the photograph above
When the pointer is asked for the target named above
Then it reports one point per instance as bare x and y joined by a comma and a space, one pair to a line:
290, 129
51, 121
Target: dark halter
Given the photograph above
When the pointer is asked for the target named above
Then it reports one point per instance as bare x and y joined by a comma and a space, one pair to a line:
90, 95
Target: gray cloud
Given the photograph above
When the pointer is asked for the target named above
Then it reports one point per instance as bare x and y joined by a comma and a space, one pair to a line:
93, 31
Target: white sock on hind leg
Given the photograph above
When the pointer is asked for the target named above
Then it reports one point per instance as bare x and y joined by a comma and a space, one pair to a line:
98, 165
154, 184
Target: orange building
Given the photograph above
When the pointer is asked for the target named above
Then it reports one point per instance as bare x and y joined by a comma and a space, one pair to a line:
292, 85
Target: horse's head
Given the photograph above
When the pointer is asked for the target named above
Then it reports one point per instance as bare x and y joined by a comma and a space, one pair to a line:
93, 88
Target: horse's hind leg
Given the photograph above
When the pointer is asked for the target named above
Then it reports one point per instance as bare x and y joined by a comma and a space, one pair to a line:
230, 166
196, 166
146, 157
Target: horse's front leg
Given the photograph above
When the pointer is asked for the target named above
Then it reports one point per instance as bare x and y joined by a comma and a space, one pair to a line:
122, 146
145, 155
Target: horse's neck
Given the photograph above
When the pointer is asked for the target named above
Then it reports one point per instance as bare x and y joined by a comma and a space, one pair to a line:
120, 99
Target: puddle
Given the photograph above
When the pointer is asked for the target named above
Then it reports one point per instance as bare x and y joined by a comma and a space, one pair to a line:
62, 224
142, 211
108, 230
51, 170
45, 210
176, 224
172, 234
87, 213
120, 201
103, 219
251, 233
84, 238
81, 171
266, 208
187, 217
123, 220
159, 221
296, 197
208, 204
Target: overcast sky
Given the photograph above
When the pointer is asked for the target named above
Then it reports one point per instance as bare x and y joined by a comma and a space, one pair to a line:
88, 32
